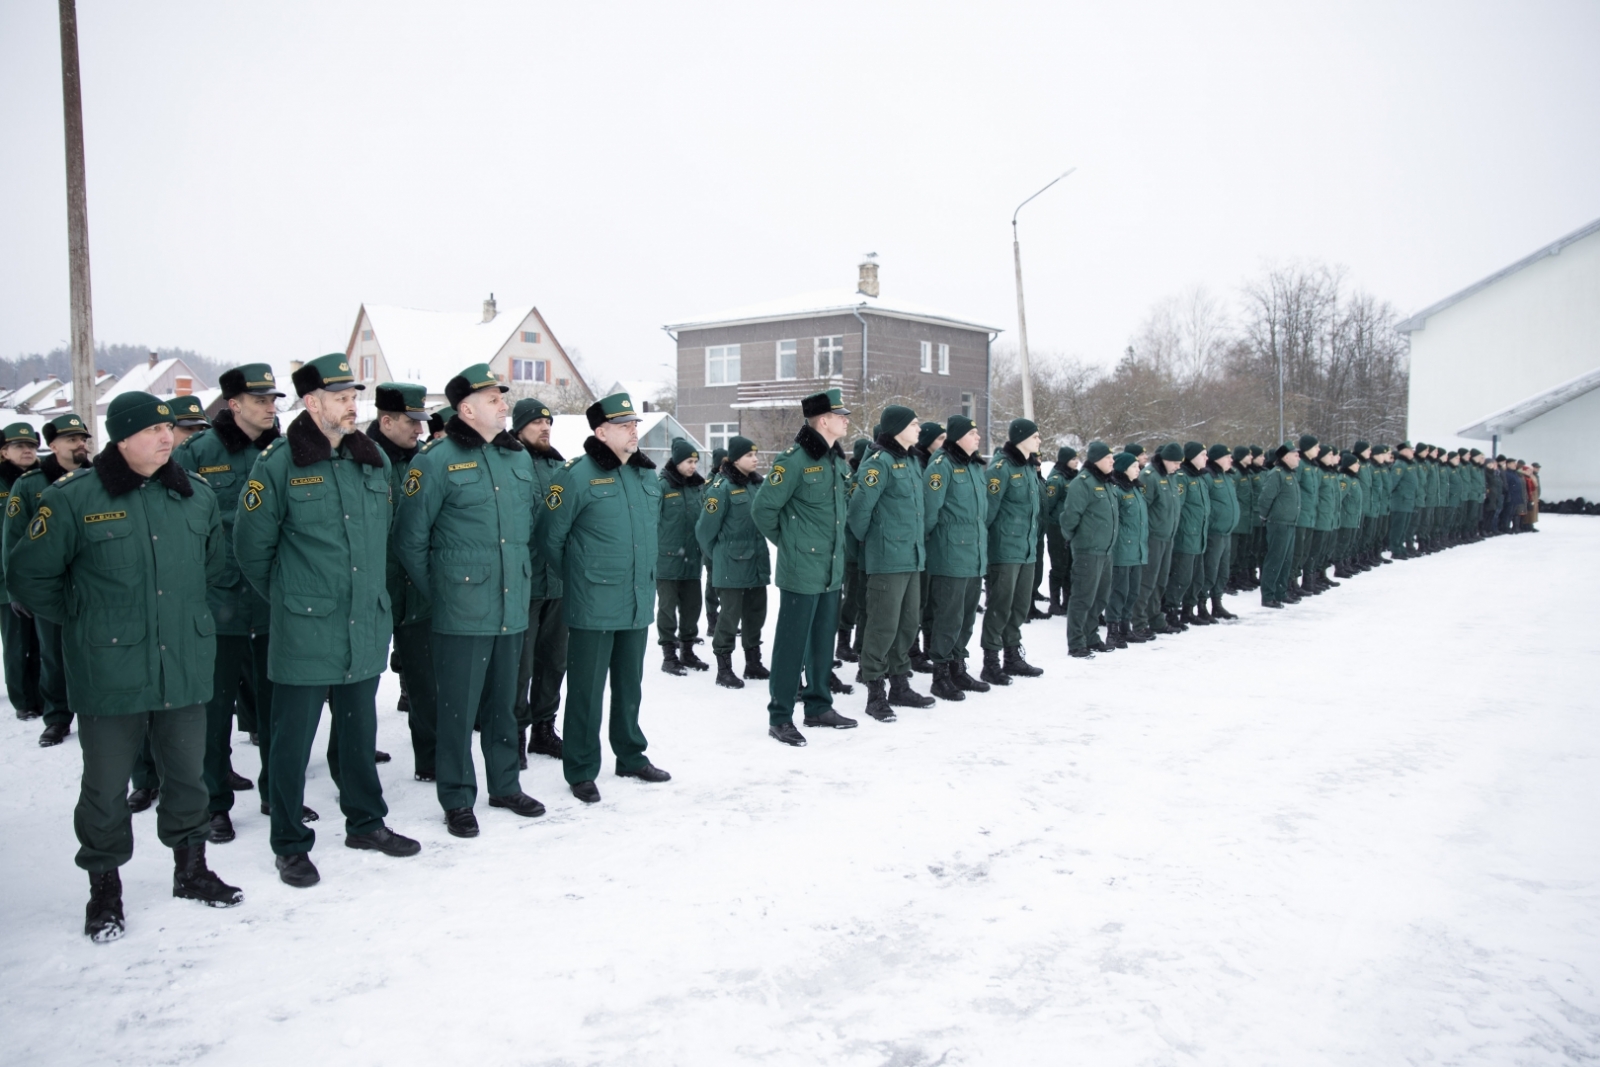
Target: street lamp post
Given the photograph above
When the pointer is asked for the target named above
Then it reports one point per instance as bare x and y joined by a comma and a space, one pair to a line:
1022, 318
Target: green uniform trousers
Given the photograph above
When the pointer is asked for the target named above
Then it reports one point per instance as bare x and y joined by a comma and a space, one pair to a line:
1153, 584
852, 597
1091, 588
414, 643
926, 600
807, 623
52, 673
1240, 562
476, 677
592, 657
110, 744
1218, 551
1010, 586
1399, 530
543, 663
1060, 550
1124, 593
145, 775
21, 641
1277, 570
296, 710
1184, 580
678, 611
744, 613
713, 605
953, 606
894, 614
238, 657
1304, 536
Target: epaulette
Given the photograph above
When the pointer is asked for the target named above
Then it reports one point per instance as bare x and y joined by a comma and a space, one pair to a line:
421, 451
568, 464
67, 477
273, 447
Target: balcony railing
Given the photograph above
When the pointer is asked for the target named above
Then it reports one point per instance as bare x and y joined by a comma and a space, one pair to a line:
785, 393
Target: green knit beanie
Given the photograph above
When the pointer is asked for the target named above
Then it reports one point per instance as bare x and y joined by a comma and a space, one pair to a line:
131, 412
1021, 430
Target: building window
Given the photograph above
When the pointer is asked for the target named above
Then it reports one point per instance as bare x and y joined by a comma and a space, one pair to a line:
966, 404
927, 357
530, 370
369, 368
786, 359
530, 337
718, 434
829, 357
563, 381
944, 359
722, 365
366, 335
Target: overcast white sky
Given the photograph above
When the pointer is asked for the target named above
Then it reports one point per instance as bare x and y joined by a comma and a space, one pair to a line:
258, 171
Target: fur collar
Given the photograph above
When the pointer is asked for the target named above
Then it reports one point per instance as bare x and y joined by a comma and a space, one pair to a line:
308, 445
10, 472
957, 456
396, 454
550, 454
465, 436
1195, 472
607, 460
52, 469
670, 475
815, 446
1124, 481
739, 477
921, 453
1014, 454
236, 440
887, 443
1091, 469
119, 478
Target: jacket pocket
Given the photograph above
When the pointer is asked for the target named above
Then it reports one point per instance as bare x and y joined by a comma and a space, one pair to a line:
111, 546
205, 625
468, 488
117, 654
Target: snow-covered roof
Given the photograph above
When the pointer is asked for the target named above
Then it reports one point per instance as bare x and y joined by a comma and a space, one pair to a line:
140, 378
826, 302
431, 347
60, 401
29, 391
640, 389
568, 432
1506, 421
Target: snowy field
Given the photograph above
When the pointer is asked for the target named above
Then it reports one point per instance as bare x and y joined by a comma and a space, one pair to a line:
1362, 831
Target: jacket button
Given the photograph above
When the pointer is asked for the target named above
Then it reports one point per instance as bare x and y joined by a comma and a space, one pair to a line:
113, 640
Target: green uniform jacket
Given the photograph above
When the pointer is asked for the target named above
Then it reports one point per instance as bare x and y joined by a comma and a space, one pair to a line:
599, 529
801, 508
223, 456
1382, 487
24, 499
464, 529
886, 511
1225, 511
10, 474
1352, 501
1055, 494
122, 564
1403, 487
312, 536
1369, 496
546, 582
678, 553
954, 509
1194, 516
1089, 516
1428, 479
1133, 524
1279, 498
1014, 507
1328, 499
1309, 475
1257, 479
1162, 502
852, 543
726, 531
407, 603
1244, 492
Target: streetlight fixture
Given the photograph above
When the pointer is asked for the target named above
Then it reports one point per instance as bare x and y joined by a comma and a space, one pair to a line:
1022, 319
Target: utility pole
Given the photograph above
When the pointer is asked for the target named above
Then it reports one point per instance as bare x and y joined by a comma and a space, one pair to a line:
83, 394
1022, 317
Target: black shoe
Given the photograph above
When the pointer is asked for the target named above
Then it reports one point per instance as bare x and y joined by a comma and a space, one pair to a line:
1114, 636
193, 880
838, 685
648, 773
921, 664
518, 803
1098, 645
384, 840
1080, 653
30, 713
586, 792
1139, 636
1016, 664
944, 686
297, 870
380, 756
423, 776
843, 651
670, 663
1220, 612
968, 684
461, 822
785, 732
404, 703
902, 695
255, 739
522, 748
54, 734
1034, 614
1272, 604
102, 919
544, 741
878, 702
306, 814
992, 672
221, 831
830, 719
687, 657
725, 676
140, 799
239, 783
1175, 621
754, 669
1202, 616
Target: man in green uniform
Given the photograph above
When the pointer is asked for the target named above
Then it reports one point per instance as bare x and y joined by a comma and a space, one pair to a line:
402, 420
1162, 507
678, 566
1221, 520
463, 533
1308, 476
1241, 569
1189, 542
930, 439
713, 606
1089, 521
801, 508
311, 535
853, 594
119, 557
1278, 506
1055, 494
1131, 552
1403, 494
1327, 523
955, 509
544, 647
886, 514
1015, 506
1352, 506
599, 529
740, 566
18, 455
68, 440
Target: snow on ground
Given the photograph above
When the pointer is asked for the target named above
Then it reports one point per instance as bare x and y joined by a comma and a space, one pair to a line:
1361, 831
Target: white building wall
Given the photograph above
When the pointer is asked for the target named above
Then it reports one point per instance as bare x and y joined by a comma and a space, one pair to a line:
1560, 442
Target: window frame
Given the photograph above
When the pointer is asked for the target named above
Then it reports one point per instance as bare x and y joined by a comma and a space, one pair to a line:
722, 359
944, 358
833, 346
718, 434
968, 404
530, 337
926, 357
777, 360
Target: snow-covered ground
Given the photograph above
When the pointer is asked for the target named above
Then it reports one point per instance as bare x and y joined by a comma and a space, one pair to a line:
1361, 831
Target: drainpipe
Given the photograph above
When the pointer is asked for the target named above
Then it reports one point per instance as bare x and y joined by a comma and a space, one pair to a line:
865, 333
988, 387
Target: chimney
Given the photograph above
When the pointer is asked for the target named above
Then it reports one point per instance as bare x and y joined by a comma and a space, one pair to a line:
295, 365
868, 283
489, 310
154, 359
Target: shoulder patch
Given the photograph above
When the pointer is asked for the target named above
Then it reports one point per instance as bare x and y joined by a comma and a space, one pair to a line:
427, 446
40, 524
776, 477
994, 485
413, 483
935, 480
871, 477
252, 489
711, 505
13, 506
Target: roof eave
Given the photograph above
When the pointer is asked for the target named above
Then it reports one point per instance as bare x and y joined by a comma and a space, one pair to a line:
839, 309
1508, 420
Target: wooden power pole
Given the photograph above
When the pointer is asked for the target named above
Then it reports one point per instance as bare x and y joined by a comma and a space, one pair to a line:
83, 392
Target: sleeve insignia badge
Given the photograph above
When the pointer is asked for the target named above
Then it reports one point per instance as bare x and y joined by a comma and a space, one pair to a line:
711, 505
870, 479
552, 499
935, 480
413, 482
39, 526
252, 494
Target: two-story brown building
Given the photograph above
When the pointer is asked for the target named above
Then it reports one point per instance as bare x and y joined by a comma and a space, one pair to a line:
744, 370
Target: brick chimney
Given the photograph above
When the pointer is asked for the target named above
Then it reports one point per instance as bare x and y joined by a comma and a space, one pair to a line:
868, 283
154, 359
489, 309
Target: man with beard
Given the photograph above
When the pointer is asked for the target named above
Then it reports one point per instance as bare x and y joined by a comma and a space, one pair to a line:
740, 566
678, 567
544, 646
68, 441
18, 455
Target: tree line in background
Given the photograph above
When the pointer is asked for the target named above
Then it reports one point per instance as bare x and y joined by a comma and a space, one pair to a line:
113, 359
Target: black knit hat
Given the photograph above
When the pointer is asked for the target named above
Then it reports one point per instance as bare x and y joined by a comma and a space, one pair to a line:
1098, 450
1307, 441
1241, 453
1066, 454
682, 449
1172, 452
1192, 449
895, 418
1360, 447
739, 447
1216, 452
1124, 460
958, 426
931, 431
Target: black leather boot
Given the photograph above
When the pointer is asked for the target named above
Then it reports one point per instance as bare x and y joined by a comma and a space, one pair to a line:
878, 702
193, 880
1220, 612
544, 740
992, 672
725, 676
843, 651
102, 919
1015, 663
1114, 636
687, 657
902, 695
959, 675
753, 668
944, 686
669, 661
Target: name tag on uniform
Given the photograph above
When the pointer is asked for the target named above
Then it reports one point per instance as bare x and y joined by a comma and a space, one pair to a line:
595, 481
669, 496
105, 516
735, 492
216, 470
313, 480
899, 466
460, 467
958, 470
811, 470
1099, 488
